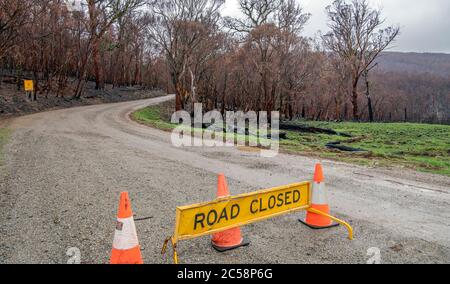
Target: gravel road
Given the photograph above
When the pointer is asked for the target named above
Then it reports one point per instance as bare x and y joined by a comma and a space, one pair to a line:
64, 170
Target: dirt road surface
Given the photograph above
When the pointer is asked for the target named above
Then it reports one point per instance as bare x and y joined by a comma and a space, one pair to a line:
64, 170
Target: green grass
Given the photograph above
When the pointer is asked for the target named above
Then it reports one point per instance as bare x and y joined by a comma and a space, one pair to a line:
418, 146
4, 135
157, 117
421, 147
152, 116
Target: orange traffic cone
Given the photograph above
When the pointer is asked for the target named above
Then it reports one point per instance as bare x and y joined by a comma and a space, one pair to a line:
230, 239
319, 202
126, 249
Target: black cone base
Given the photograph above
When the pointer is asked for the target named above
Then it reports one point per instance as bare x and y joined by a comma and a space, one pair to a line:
318, 228
244, 243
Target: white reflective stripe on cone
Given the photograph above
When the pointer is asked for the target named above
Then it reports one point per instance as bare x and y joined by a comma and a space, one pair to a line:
319, 194
126, 238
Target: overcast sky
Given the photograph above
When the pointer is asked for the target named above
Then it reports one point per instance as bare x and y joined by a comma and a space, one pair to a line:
425, 24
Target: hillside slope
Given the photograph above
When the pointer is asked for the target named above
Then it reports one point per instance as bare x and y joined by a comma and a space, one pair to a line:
433, 63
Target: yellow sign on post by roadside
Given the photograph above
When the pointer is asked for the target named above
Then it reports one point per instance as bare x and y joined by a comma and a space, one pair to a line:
28, 85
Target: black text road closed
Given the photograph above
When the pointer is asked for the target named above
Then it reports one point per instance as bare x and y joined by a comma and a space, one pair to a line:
208, 218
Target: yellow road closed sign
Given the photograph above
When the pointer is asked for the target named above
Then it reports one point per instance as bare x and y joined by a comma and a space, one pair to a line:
28, 85
236, 211
222, 214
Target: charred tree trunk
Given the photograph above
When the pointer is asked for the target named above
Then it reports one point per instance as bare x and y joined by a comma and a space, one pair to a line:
19, 78
178, 102
369, 98
98, 71
338, 103
355, 100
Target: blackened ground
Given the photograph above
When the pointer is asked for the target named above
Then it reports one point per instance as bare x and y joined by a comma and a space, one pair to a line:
15, 103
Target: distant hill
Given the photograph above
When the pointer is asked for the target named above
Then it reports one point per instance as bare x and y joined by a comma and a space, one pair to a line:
433, 63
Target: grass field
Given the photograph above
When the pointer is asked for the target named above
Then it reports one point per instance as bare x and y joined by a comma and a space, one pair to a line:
421, 147
4, 134
417, 146
154, 116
